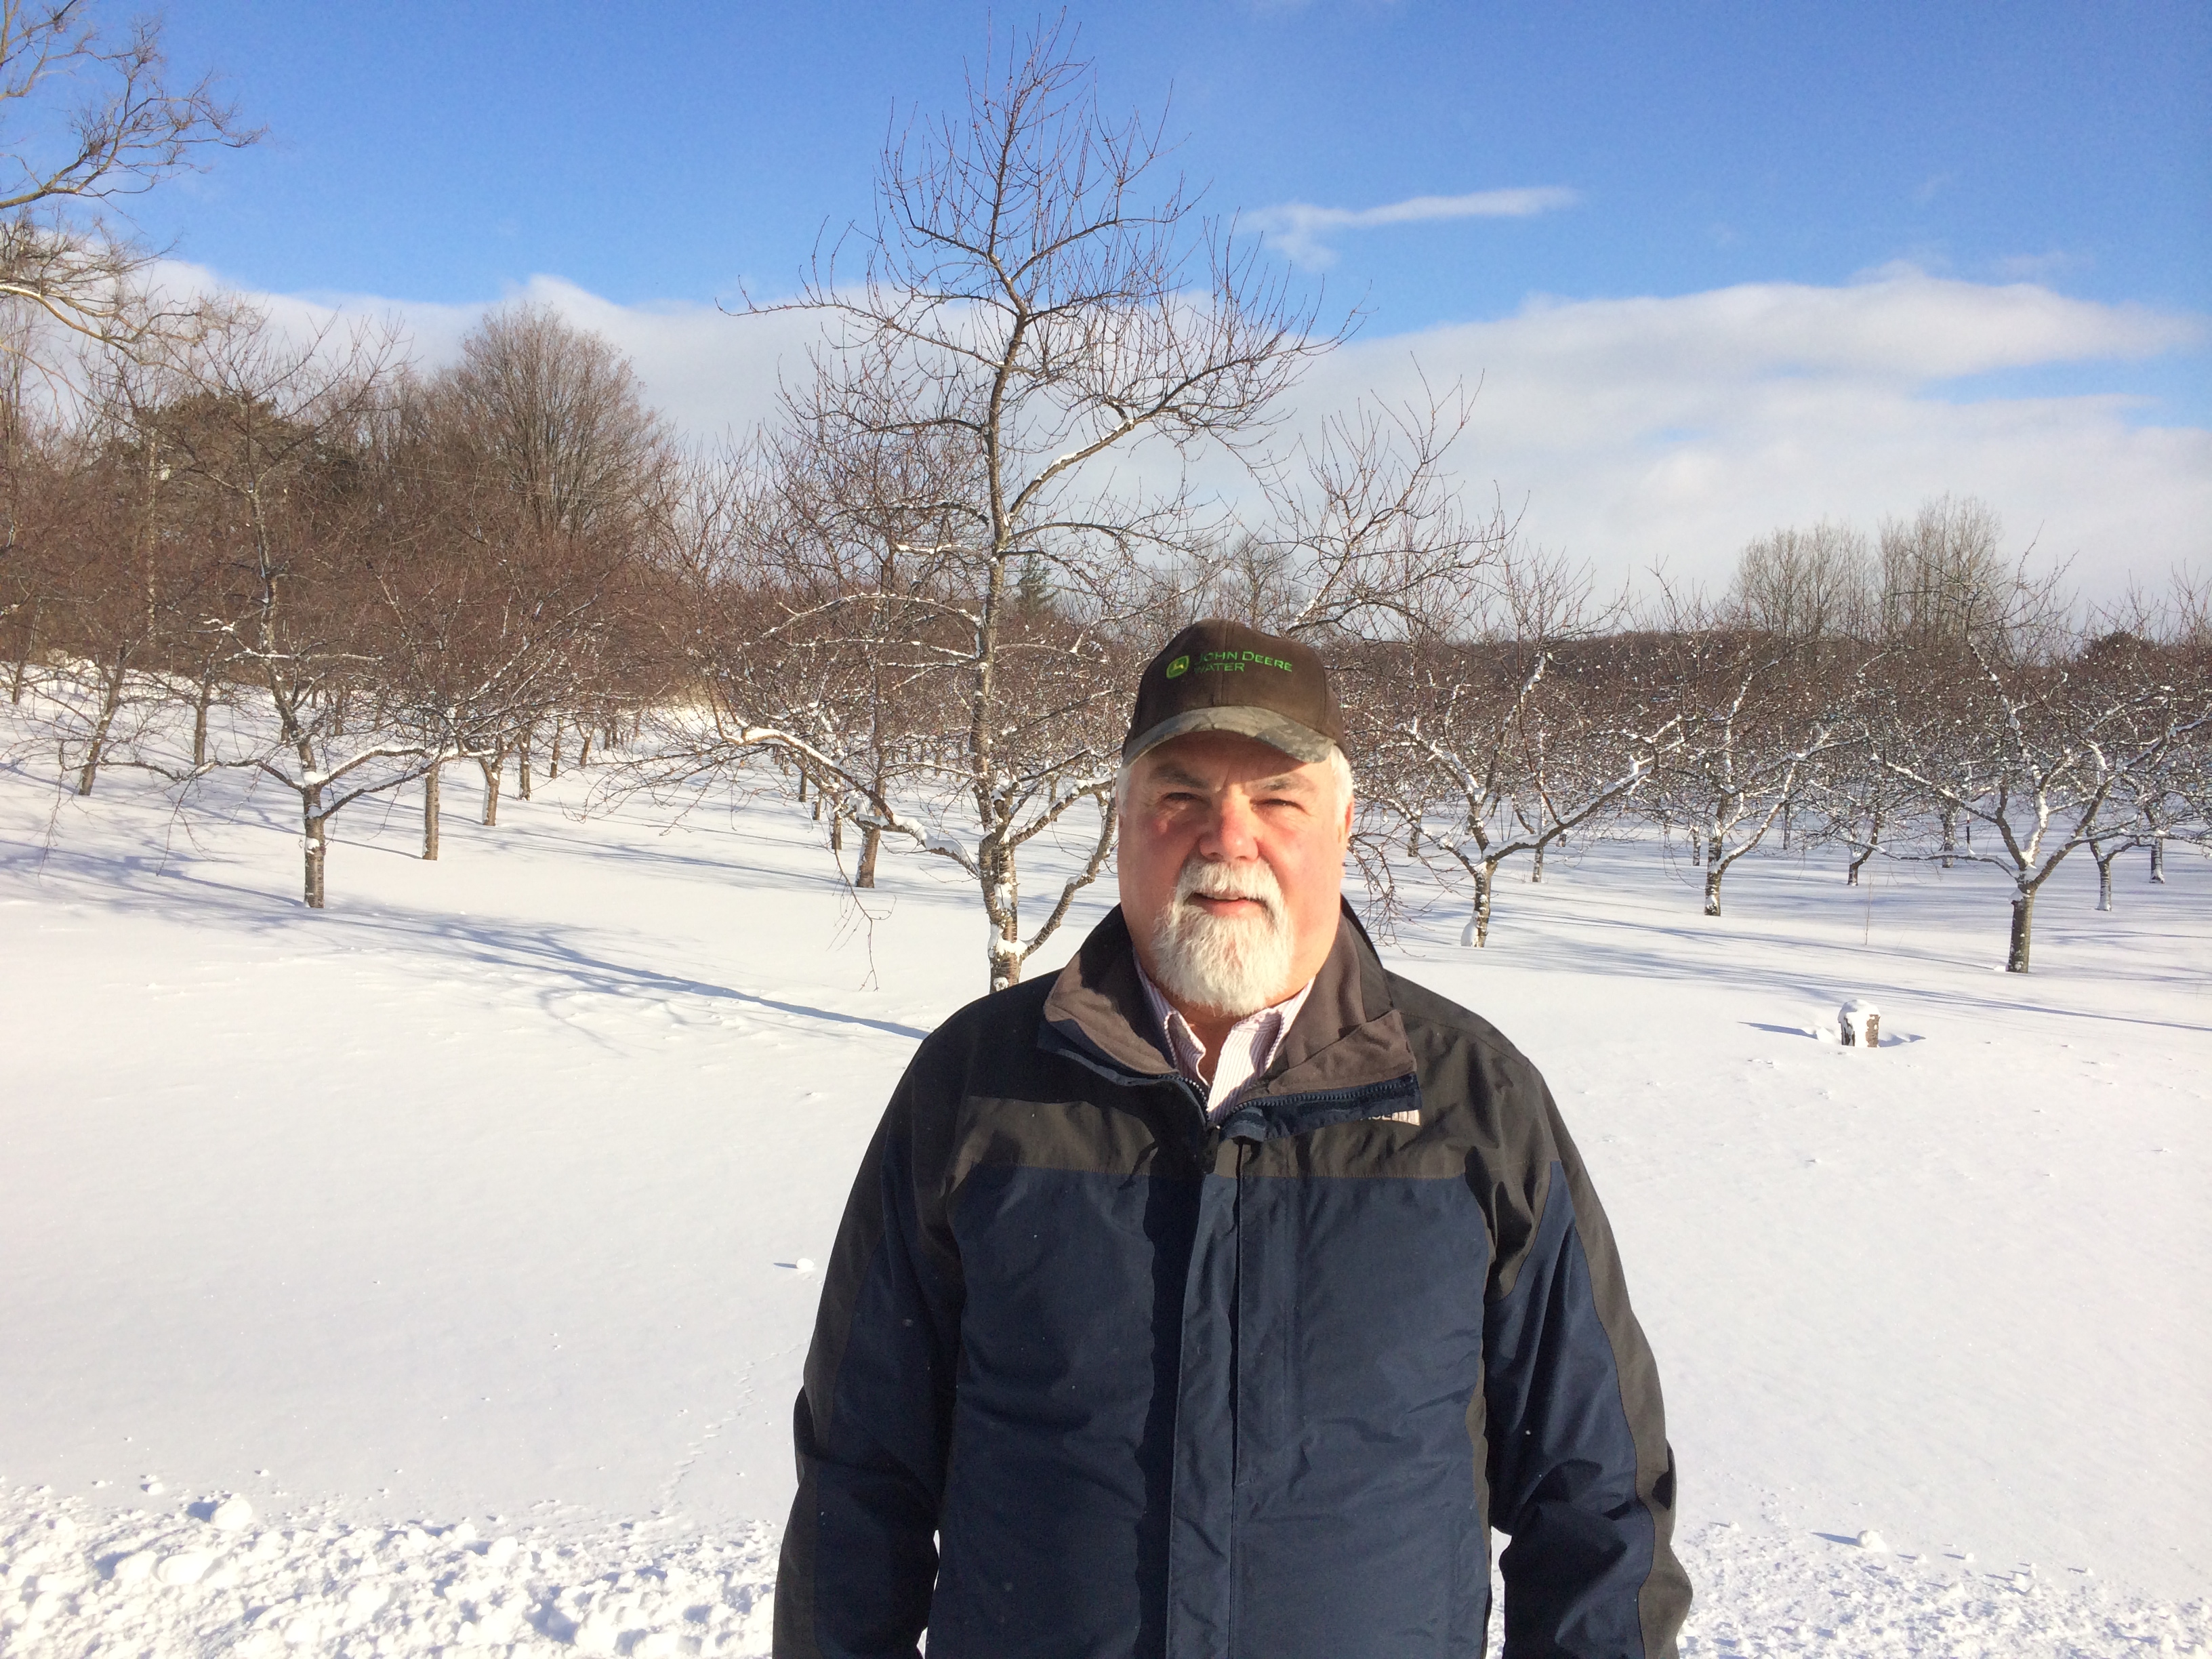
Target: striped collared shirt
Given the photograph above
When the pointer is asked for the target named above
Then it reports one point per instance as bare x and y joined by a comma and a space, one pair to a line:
1246, 1051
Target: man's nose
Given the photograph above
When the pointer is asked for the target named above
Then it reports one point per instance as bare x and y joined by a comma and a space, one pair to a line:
1233, 835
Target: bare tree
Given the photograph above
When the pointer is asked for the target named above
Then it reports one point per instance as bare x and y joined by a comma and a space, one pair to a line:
491, 616
282, 441
140, 572
1501, 733
1944, 578
43, 509
1755, 718
557, 416
89, 115
547, 460
1031, 304
2161, 802
2051, 737
1799, 585
1372, 540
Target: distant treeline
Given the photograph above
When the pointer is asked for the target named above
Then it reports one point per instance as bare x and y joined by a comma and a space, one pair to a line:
923, 592
299, 559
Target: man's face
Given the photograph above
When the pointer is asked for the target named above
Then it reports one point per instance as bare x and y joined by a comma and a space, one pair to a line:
1231, 862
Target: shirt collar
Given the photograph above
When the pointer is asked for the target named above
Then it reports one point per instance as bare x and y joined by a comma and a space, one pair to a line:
1249, 1049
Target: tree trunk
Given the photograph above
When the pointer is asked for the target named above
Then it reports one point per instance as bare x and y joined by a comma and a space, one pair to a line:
1873, 839
199, 721
1414, 840
1950, 834
317, 855
1713, 888
583, 747
1478, 925
2104, 876
836, 832
1002, 907
872, 842
492, 767
1536, 867
553, 759
430, 811
23, 661
2023, 928
111, 699
522, 765
2158, 860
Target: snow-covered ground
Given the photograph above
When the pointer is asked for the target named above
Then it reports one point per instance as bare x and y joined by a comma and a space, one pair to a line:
463, 1230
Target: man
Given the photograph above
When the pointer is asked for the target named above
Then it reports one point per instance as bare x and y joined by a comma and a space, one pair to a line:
1214, 1298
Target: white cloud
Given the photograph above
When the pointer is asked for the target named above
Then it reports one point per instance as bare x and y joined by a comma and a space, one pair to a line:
1647, 432
710, 372
1295, 229
1659, 431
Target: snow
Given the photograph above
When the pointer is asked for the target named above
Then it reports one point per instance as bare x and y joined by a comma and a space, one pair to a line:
320, 1585
436, 1270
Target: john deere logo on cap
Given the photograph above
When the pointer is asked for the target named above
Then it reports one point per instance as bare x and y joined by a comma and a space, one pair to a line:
1231, 662
1177, 666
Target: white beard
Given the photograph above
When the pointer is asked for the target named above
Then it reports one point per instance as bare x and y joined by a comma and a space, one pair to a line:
1222, 964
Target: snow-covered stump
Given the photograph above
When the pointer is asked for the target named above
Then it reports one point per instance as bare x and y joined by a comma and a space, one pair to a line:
1859, 1024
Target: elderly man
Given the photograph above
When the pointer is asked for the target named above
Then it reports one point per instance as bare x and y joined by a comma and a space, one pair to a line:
1214, 1299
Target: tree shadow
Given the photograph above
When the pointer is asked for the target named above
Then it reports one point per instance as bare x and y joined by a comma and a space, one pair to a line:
572, 960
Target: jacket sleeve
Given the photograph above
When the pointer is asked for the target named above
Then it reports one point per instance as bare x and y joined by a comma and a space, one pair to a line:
1580, 1473
872, 1422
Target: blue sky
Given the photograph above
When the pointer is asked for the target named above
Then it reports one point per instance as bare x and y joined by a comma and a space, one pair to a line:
658, 157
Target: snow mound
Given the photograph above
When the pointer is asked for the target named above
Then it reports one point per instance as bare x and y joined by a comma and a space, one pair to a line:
1781, 1595
74, 1580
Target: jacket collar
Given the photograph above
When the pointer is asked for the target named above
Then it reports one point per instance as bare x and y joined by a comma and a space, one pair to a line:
1349, 1035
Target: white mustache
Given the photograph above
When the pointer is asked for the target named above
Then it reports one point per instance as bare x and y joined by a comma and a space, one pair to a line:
1209, 878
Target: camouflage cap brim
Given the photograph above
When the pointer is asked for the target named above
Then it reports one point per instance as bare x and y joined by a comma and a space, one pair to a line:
1301, 743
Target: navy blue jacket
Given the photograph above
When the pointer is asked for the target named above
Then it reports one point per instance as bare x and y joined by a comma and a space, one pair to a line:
1092, 1376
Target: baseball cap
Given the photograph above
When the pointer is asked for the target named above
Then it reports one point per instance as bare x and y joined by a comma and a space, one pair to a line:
1220, 676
